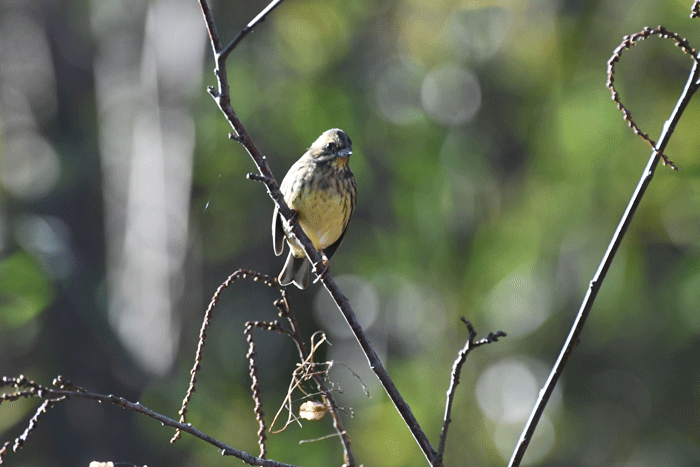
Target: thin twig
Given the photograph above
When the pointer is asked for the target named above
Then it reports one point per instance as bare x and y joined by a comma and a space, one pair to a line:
627, 42
304, 371
348, 455
454, 380
249, 27
253, 372
691, 86
239, 274
222, 98
52, 394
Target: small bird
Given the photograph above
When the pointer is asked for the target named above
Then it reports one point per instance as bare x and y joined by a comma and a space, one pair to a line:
320, 189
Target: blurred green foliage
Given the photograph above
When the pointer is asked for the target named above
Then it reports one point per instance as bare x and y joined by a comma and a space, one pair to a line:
501, 215
26, 291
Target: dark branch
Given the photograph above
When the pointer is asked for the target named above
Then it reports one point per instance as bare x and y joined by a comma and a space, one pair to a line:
574, 335
454, 380
222, 98
375, 363
253, 372
259, 178
211, 27
51, 395
249, 27
628, 42
239, 274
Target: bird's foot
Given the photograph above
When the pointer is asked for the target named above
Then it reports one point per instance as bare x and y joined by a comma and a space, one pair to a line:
321, 268
294, 218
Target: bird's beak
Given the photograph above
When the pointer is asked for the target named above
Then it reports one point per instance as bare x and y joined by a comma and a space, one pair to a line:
344, 153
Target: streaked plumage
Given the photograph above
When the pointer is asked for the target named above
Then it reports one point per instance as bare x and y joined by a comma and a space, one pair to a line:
321, 187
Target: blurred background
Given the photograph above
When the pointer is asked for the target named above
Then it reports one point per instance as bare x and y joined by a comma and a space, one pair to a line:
492, 169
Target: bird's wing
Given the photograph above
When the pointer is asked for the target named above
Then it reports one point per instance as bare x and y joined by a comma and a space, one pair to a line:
330, 250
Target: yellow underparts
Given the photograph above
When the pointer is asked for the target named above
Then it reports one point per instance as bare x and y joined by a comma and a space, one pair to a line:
323, 217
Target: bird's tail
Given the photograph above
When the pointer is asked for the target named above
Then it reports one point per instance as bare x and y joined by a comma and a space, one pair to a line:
296, 271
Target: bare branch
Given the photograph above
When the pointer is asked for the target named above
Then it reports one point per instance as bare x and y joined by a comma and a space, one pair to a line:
454, 380
259, 178
375, 363
348, 455
628, 42
249, 27
211, 27
51, 395
240, 274
21, 439
253, 371
222, 99
691, 86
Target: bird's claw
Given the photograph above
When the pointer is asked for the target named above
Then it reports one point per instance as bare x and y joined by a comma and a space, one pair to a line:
321, 268
294, 217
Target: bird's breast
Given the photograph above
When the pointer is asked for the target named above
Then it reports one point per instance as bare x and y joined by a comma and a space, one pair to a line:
323, 216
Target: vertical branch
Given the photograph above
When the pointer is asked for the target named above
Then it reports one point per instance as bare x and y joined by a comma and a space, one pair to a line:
239, 274
211, 27
454, 380
253, 372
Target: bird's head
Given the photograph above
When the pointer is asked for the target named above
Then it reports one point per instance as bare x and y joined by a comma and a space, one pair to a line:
331, 145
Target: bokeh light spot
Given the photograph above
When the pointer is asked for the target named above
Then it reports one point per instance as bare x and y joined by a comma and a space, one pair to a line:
451, 95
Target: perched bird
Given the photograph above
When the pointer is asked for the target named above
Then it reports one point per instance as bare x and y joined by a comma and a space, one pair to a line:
320, 188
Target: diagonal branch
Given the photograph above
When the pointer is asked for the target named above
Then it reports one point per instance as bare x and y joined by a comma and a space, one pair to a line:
691, 86
375, 363
249, 27
223, 100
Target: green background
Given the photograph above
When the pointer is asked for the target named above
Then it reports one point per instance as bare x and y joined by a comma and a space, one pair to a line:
492, 168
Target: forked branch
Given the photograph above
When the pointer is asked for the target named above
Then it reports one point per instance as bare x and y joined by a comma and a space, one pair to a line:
454, 380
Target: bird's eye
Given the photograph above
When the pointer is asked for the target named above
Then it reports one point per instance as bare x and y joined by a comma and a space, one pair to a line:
330, 147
